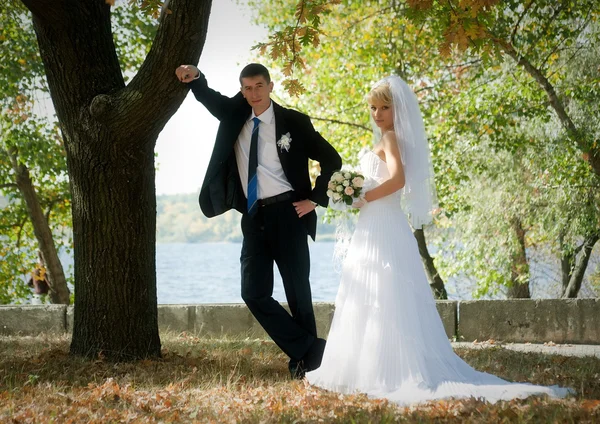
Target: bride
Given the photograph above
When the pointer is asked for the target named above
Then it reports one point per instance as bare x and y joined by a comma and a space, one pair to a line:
387, 339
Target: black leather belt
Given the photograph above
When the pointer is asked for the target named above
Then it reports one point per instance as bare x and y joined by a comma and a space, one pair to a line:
288, 195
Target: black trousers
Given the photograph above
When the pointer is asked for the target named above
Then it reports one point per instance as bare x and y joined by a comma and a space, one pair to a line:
276, 235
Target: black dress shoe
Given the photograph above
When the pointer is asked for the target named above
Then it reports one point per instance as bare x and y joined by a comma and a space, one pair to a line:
297, 370
311, 360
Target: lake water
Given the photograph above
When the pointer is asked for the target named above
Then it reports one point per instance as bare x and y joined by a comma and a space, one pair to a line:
210, 273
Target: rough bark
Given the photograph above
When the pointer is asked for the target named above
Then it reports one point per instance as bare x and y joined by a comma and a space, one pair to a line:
59, 291
110, 131
433, 277
573, 277
519, 287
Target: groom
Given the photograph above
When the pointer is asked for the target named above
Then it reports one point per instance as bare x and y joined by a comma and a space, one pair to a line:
259, 166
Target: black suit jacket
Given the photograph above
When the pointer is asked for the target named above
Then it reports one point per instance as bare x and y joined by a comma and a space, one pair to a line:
222, 189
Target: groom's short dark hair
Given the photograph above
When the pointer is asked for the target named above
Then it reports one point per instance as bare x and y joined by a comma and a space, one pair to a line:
254, 70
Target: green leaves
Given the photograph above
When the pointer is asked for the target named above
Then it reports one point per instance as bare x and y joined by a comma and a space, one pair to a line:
133, 31
500, 151
286, 43
30, 136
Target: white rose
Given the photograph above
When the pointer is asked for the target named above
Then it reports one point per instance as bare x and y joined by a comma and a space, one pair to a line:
329, 193
347, 175
337, 196
339, 188
338, 177
358, 182
346, 183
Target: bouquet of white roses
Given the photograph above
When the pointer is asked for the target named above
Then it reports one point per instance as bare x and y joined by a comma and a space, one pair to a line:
345, 187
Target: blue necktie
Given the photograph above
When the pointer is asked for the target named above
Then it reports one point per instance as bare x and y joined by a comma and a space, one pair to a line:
252, 165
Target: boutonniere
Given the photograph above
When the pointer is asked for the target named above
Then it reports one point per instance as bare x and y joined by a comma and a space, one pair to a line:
285, 142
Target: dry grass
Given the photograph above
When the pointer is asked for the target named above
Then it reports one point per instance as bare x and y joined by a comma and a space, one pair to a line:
228, 380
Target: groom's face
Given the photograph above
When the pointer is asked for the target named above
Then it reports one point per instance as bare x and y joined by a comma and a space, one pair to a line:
257, 91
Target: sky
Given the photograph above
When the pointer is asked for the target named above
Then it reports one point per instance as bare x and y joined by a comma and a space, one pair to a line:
185, 144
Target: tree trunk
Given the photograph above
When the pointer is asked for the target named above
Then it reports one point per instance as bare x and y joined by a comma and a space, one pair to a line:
576, 272
433, 277
115, 260
59, 291
567, 261
519, 288
110, 132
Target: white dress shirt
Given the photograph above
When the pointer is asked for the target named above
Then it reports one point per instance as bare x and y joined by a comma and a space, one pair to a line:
271, 179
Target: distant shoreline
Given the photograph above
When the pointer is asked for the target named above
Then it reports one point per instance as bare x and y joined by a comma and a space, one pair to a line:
179, 220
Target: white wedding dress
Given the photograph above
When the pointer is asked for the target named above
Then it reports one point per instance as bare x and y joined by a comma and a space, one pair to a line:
387, 339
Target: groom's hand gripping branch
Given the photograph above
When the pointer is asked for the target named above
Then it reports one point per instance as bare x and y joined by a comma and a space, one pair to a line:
187, 73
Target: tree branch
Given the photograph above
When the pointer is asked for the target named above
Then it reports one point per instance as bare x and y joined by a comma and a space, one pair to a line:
484, 83
555, 102
294, 32
433, 277
49, 210
21, 226
430, 87
16, 224
380, 11
419, 52
568, 61
465, 64
556, 187
9, 185
578, 248
50, 11
576, 33
579, 270
337, 121
514, 31
545, 29
179, 40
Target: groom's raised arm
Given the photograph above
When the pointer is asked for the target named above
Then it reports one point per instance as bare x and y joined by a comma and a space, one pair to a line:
216, 103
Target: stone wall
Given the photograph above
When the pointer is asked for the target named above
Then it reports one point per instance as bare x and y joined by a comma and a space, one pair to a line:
523, 320
529, 320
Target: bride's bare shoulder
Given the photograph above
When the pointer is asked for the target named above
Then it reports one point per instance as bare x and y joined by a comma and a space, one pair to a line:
388, 137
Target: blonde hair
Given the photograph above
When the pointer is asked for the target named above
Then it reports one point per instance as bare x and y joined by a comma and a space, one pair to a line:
381, 93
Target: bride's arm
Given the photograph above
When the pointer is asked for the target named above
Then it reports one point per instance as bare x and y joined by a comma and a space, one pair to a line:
395, 168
